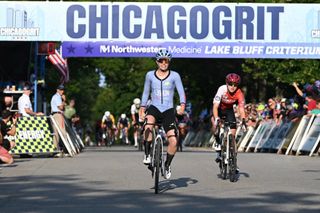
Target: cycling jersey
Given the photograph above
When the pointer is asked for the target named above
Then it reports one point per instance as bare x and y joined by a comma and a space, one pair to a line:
227, 100
135, 112
162, 90
109, 121
124, 122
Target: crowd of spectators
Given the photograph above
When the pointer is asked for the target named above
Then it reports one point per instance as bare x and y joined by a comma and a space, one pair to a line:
305, 102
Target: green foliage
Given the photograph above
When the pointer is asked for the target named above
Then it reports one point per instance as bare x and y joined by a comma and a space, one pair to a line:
283, 71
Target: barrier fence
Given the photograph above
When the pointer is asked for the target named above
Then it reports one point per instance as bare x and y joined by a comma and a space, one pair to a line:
300, 137
34, 135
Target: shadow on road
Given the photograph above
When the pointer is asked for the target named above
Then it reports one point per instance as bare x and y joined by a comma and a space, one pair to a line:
176, 183
68, 193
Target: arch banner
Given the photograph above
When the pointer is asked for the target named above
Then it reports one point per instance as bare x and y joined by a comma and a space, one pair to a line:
189, 30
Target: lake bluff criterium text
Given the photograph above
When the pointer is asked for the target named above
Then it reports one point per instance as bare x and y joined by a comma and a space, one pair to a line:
215, 49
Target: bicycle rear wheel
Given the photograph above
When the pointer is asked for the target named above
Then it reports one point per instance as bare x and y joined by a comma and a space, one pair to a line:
157, 165
232, 160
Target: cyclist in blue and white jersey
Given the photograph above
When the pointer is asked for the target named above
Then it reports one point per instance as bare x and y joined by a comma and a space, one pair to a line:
160, 84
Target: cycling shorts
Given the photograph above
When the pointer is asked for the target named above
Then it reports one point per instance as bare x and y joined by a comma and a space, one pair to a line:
228, 115
167, 118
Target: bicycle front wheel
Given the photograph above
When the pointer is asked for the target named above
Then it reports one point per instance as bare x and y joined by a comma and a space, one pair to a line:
232, 160
157, 165
223, 166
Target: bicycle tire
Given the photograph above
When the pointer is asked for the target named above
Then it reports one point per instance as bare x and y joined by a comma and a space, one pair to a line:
223, 165
232, 160
157, 166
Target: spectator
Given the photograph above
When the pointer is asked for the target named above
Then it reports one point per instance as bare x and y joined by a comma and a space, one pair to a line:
5, 157
316, 111
8, 130
70, 109
57, 109
308, 97
310, 103
283, 110
24, 103
76, 124
316, 88
270, 109
260, 111
8, 102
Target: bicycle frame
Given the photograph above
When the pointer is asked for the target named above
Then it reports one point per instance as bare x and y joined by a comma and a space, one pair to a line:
228, 162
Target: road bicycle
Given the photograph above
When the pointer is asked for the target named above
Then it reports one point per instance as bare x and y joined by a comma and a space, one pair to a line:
157, 156
228, 161
123, 136
107, 136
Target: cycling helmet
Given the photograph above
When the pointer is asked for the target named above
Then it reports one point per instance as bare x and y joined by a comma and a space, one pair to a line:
107, 113
136, 101
233, 78
123, 116
163, 54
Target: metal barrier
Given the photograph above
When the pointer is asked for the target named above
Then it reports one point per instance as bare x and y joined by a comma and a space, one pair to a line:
300, 137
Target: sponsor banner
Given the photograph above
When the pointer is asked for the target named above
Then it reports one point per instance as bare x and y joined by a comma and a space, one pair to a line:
257, 136
270, 125
196, 29
312, 136
247, 137
268, 142
305, 124
33, 135
287, 140
282, 134
191, 49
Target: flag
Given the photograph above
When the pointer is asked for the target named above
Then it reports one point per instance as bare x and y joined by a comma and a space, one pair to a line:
61, 64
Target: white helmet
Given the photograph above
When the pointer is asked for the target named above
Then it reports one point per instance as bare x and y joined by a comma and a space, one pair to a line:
178, 107
123, 116
136, 101
163, 54
107, 113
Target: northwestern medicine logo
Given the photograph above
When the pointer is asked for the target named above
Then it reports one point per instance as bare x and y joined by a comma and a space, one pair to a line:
19, 26
315, 33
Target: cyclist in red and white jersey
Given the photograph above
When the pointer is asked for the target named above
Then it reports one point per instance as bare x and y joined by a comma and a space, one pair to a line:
228, 95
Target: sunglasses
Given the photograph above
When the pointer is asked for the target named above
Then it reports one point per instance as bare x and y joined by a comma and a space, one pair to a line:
233, 84
163, 60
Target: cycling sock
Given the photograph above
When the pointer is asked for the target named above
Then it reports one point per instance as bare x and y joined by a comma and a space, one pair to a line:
135, 140
168, 160
147, 145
